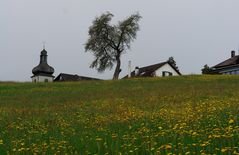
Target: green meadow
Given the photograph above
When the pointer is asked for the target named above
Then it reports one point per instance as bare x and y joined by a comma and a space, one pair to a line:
172, 115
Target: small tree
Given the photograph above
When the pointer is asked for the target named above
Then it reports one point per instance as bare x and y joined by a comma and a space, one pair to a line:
172, 62
107, 42
206, 70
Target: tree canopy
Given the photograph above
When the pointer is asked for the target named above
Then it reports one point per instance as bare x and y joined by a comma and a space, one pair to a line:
107, 42
172, 62
206, 70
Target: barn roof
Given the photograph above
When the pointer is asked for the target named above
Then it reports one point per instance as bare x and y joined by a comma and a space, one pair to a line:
71, 77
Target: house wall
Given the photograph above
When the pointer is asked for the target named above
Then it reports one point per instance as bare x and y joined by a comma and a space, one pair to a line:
234, 71
42, 79
166, 68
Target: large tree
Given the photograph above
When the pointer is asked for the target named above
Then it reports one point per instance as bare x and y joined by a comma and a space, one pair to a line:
107, 42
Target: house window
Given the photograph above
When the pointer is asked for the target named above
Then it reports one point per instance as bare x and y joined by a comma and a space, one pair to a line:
166, 73
46, 80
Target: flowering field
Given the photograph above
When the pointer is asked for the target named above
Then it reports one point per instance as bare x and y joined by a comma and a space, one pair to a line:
177, 115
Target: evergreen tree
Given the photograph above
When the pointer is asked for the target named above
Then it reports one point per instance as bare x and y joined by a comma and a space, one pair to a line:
172, 62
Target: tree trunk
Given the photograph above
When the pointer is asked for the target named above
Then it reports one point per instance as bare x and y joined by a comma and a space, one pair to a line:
117, 69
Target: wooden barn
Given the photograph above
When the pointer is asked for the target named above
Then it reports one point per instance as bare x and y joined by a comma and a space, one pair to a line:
63, 77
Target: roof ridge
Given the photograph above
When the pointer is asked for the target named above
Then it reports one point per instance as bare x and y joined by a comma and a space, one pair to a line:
230, 61
155, 64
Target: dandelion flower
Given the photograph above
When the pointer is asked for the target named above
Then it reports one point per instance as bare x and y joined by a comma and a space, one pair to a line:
231, 121
168, 146
223, 150
98, 139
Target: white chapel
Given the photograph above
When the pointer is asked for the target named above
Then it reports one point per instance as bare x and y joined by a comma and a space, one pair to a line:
43, 72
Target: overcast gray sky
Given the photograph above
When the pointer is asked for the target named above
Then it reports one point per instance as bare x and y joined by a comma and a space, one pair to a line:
194, 32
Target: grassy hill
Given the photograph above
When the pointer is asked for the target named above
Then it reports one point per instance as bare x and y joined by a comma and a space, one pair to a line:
188, 114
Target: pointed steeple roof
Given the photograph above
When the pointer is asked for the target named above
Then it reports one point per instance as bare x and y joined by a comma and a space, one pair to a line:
43, 67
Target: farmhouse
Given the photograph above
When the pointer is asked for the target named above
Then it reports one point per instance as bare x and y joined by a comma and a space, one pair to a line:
43, 72
229, 66
156, 70
62, 77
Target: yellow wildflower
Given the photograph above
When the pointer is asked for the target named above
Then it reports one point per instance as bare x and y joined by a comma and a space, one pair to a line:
194, 133
223, 150
168, 146
203, 144
231, 121
114, 136
98, 139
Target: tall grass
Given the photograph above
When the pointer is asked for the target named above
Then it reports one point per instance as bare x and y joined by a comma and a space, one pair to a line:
187, 115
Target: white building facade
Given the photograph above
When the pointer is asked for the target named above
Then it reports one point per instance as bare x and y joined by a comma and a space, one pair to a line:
157, 70
166, 70
41, 78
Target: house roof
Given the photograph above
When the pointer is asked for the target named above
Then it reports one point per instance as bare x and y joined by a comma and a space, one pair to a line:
70, 77
229, 62
149, 70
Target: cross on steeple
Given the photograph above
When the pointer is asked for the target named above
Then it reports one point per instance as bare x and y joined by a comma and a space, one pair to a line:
44, 44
